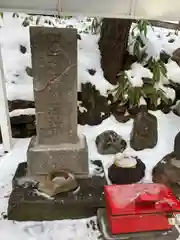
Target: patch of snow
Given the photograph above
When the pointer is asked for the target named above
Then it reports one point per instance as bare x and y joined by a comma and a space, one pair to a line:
89, 58
20, 92
136, 73
82, 109
14, 61
173, 71
153, 44
158, 40
169, 92
125, 161
142, 101
26, 111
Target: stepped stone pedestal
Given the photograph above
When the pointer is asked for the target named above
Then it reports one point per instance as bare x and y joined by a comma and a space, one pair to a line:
57, 145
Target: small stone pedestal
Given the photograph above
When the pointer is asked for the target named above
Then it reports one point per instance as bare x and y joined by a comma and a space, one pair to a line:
57, 145
26, 203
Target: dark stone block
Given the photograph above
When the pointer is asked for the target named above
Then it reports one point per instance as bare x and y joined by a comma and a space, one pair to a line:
26, 205
176, 146
96, 105
144, 133
20, 104
166, 172
176, 56
164, 57
154, 235
113, 46
109, 142
23, 126
18, 120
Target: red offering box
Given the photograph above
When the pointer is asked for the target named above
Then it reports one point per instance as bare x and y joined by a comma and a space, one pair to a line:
140, 207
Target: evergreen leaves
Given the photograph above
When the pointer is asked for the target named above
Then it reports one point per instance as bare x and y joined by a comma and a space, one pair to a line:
150, 90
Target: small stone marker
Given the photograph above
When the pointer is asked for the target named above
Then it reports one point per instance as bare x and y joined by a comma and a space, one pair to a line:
144, 133
54, 64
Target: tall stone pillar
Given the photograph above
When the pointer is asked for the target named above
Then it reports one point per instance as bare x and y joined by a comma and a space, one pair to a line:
54, 64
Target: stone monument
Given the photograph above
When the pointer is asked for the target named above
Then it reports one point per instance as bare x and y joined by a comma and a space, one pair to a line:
54, 63
57, 145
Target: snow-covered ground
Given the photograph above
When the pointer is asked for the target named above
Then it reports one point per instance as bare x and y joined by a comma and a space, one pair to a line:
19, 86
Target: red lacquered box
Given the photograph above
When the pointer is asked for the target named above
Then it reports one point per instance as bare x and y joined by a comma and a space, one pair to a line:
140, 208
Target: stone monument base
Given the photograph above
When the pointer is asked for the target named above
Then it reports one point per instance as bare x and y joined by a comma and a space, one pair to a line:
44, 159
155, 235
27, 204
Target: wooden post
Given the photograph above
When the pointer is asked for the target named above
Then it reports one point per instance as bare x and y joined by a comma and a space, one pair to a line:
4, 111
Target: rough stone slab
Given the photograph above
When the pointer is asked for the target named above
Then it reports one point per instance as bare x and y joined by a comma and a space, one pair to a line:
154, 235
44, 159
26, 205
54, 66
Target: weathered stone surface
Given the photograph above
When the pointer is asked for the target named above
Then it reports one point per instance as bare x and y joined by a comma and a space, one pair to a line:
144, 133
121, 175
29, 71
93, 107
22, 119
165, 108
122, 118
57, 146
20, 104
176, 56
167, 171
176, 109
164, 57
26, 204
120, 112
22, 126
57, 183
54, 64
44, 159
109, 142
177, 146
176, 87
154, 235
117, 107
